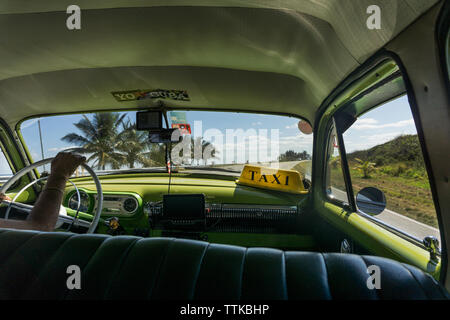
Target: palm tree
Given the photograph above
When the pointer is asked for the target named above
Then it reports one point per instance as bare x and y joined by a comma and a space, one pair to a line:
134, 145
365, 167
99, 139
156, 154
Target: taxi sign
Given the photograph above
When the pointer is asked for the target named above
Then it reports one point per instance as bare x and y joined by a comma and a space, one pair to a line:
272, 179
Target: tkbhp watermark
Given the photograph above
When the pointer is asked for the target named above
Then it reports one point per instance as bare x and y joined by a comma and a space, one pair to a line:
227, 309
374, 20
73, 21
374, 280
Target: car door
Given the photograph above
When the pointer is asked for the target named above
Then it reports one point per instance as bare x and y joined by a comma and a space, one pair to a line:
394, 105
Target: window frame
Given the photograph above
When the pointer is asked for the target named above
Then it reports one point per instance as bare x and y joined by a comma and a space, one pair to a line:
6, 156
351, 206
7, 138
355, 83
5, 151
443, 42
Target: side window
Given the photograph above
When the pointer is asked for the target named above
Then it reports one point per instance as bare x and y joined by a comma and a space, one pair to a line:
335, 183
383, 151
5, 169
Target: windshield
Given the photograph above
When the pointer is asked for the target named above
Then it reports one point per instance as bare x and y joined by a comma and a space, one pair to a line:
222, 142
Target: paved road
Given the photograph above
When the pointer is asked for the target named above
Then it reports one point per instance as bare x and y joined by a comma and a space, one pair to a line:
3, 179
408, 225
288, 165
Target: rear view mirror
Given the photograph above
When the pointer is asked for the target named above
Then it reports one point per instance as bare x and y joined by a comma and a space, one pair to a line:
149, 120
371, 201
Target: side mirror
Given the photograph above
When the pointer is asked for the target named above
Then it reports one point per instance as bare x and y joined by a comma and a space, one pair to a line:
371, 201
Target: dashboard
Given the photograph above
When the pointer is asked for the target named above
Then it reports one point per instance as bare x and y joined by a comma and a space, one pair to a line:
113, 204
207, 216
228, 213
228, 218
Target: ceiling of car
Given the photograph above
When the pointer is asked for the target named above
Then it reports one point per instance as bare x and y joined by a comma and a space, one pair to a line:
281, 56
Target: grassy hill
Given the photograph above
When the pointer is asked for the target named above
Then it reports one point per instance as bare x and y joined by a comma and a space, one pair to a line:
400, 157
405, 148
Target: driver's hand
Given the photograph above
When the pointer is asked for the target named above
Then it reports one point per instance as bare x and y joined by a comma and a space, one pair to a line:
65, 163
4, 197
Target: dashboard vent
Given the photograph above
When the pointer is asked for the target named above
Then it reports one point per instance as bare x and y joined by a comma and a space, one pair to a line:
240, 217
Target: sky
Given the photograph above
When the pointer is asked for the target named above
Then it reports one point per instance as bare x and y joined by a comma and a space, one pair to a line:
260, 130
263, 131
380, 125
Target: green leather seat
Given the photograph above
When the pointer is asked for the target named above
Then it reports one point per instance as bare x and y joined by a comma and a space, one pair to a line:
34, 266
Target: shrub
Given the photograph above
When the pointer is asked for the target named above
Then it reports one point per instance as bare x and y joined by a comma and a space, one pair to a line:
365, 167
400, 169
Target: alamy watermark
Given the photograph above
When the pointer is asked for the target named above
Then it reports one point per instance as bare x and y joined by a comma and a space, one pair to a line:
73, 21
374, 20
374, 280
74, 279
226, 146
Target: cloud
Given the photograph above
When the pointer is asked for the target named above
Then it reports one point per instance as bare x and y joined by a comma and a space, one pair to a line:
259, 147
369, 123
368, 141
28, 123
56, 150
292, 126
382, 137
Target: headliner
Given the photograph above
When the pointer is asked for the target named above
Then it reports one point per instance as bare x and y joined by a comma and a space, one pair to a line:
281, 56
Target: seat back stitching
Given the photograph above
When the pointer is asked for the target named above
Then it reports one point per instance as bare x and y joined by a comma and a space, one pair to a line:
197, 275
119, 267
324, 262
161, 263
40, 273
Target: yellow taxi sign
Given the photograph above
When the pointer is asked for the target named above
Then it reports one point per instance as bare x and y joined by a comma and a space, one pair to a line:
272, 179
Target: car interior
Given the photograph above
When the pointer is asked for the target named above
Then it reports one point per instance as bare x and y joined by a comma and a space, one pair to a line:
130, 84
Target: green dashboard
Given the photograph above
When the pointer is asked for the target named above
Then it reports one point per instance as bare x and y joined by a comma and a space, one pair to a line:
242, 215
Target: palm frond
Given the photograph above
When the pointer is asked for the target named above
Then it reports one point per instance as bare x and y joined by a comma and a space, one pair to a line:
75, 138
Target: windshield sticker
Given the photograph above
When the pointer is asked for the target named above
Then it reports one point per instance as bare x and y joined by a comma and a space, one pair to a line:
178, 120
133, 95
178, 117
184, 128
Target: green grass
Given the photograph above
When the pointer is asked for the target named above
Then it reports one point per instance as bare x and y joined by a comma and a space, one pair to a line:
303, 167
400, 173
407, 193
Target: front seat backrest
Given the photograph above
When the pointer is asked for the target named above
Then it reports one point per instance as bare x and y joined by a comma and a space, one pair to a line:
33, 265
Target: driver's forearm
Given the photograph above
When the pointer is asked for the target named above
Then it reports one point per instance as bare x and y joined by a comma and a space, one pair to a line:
45, 212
